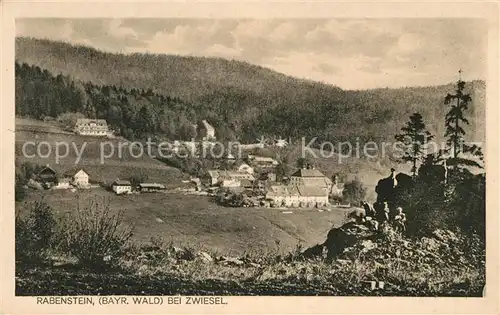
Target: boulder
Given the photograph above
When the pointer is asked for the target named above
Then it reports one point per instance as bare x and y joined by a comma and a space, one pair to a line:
347, 236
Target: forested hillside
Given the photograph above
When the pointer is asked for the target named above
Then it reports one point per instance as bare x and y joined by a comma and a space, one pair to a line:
143, 94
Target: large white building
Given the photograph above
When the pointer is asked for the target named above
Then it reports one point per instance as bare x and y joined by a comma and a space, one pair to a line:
91, 127
297, 196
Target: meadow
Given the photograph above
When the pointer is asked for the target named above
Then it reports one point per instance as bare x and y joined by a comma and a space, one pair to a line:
192, 220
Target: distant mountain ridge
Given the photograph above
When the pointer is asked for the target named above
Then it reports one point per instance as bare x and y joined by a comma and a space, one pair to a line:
246, 101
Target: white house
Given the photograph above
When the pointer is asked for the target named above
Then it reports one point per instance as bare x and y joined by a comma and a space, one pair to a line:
91, 127
121, 187
81, 179
78, 177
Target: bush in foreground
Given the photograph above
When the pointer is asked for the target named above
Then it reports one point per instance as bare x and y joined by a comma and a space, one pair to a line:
94, 235
34, 232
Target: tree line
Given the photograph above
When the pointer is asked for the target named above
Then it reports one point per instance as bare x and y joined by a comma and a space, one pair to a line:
134, 113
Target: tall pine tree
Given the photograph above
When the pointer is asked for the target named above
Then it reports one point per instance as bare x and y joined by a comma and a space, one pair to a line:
455, 118
414, 136
454, 122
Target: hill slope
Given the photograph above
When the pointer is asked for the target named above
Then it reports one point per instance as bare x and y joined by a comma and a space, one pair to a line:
247, 101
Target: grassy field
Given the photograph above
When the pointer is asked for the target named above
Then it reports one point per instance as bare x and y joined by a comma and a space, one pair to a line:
116, 166
196, 220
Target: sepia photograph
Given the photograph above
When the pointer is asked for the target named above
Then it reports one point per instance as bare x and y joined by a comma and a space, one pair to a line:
216, 157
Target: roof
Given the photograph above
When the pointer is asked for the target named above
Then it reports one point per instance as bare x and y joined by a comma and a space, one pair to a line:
239, 175
120, 182
74, 171
85, 121
152, 185
308, 173
262, 159
316, 181
47, 168
311, 191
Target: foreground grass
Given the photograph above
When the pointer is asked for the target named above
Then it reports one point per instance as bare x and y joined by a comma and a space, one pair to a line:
160, 271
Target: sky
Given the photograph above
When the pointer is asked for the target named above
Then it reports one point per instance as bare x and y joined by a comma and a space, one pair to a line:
349, 53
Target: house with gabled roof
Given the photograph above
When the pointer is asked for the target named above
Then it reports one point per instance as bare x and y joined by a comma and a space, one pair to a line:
47, 175
79, 177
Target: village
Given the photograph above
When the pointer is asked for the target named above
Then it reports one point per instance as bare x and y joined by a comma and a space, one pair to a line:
248, 180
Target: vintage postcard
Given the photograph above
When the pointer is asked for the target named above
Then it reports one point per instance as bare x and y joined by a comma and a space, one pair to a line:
249, 157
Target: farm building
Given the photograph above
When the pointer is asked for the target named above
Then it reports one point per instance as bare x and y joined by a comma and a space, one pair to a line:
297, 196
91, 127
151, 187
310, 178
47, 176
121, 186
79, 178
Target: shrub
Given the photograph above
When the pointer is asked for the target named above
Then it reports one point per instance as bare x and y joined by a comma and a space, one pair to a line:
354, 191
94, 235
34, 232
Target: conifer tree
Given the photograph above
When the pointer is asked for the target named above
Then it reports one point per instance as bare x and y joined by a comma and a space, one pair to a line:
454, 122
455, 118
414, 136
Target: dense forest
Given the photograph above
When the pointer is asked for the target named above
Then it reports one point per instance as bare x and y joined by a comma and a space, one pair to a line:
143, 94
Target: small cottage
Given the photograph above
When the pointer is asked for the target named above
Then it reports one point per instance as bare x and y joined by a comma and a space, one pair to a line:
47, 176
121, 187
79, 178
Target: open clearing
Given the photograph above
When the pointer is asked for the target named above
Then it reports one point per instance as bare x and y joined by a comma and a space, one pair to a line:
191, 220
